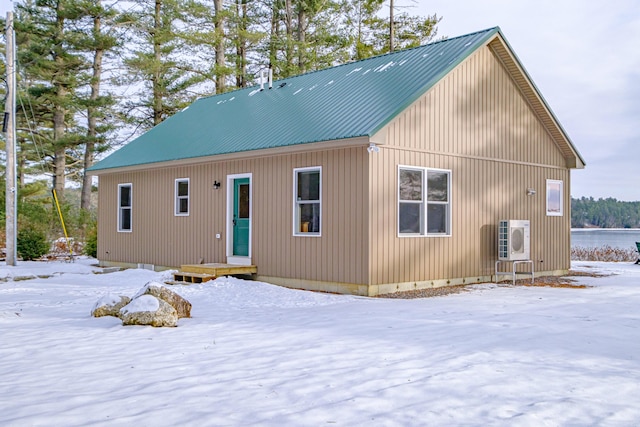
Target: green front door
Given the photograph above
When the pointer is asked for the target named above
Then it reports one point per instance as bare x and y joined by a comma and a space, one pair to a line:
241, 216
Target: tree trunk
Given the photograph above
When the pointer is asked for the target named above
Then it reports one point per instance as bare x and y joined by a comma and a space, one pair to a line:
302, 35
59, 112
359, 55
273, 37
156, 78
92, 120
241, 44
220, 54
59, 156
391, 26
289, 41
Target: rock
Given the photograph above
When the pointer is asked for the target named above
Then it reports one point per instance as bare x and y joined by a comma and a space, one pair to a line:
182, 306
110, 305
148, 310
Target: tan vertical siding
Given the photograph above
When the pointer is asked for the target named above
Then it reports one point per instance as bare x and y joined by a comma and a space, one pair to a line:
477, 124
477, 110
477, 206
160, 238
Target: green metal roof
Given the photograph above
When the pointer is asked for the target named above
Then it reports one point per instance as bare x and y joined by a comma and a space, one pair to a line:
350, 100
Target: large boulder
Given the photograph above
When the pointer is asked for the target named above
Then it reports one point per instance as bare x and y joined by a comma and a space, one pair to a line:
110, 305
148, 310
182, 306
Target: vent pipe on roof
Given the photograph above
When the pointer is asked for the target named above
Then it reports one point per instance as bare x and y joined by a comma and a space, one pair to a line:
266, 76
263, 77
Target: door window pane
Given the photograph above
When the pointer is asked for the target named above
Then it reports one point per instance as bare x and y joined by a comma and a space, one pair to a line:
243, 201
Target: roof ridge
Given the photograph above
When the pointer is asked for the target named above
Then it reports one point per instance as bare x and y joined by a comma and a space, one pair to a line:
422, 46
395, 52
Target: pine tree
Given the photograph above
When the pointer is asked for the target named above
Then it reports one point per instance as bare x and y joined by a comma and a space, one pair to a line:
97, 104
305, 35
156, 61
246, 35
371, 30
49, 52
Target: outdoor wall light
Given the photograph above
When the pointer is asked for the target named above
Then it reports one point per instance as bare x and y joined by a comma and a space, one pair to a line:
531, 192
216, 185
373, 148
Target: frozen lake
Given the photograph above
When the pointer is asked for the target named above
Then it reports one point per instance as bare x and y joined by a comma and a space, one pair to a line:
624, 238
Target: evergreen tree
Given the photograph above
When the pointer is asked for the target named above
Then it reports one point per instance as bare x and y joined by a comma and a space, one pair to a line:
155, 60
370, 29
97, 104
246, 34
305, 35
604, 213
167, 40
49, 52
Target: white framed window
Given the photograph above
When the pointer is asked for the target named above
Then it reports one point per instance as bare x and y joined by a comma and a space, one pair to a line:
182, 197
307, 201
424, 201
125, 196
555, 196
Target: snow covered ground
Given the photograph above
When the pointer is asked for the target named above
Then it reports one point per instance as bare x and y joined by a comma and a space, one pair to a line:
256, 354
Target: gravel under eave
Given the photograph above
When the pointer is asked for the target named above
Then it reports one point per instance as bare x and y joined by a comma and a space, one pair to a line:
547, 281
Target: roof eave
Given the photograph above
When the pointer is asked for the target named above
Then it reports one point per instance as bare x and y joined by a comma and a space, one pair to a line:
267, 152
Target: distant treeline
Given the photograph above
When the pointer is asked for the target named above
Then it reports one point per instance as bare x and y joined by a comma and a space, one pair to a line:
604, 213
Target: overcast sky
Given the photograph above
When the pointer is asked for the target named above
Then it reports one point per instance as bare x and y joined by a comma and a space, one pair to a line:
584, 57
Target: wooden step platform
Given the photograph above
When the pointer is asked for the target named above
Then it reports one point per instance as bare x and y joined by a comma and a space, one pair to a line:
200, 273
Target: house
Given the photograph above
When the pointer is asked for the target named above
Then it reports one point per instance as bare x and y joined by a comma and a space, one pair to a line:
386, 174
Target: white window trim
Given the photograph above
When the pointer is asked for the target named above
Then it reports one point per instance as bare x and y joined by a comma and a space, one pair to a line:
561, 211
425, 203
176, 208
296, 231
120, 229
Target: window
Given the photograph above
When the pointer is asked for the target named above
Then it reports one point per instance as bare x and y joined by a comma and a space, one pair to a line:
424, 202
554, 197
307, 191
182, 197
124, 207
411, 202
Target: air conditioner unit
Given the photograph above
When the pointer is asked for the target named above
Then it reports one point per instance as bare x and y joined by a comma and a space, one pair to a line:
513, 240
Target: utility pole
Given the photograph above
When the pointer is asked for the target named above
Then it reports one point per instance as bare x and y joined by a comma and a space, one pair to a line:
391, 25
10, 129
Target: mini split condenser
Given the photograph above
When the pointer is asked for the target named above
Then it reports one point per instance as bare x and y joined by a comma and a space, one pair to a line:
514, 240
